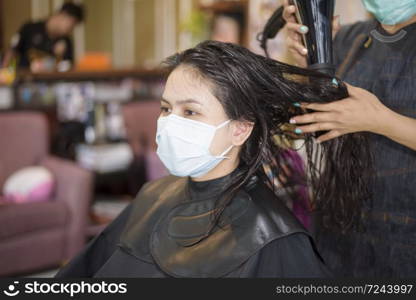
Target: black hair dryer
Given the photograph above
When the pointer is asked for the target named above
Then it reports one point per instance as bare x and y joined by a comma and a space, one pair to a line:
317, 16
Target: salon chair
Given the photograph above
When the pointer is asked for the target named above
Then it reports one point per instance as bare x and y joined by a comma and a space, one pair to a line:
39, 235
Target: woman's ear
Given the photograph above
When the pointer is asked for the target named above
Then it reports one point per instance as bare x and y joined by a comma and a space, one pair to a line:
241, 132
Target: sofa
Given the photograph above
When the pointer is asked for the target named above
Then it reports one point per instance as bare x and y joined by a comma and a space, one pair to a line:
39, 235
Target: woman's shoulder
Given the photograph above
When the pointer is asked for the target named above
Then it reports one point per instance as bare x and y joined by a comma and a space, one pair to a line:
294, 255
271, 209
290, 250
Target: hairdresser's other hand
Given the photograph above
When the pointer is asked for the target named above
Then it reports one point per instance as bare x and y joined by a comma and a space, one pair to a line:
361, 111
295, 32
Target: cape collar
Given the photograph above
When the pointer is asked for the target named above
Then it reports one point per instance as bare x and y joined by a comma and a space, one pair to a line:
210, 188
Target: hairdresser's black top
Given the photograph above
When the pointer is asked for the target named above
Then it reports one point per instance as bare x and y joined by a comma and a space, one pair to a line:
384, 64
160, 235
32, 41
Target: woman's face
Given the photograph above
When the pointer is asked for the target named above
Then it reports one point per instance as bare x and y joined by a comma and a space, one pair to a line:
188, 95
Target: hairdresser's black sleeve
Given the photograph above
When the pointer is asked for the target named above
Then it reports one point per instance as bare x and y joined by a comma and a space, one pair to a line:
293, 256
19, 39
97, 251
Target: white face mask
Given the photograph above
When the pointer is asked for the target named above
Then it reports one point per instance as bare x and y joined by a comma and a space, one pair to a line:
183, 145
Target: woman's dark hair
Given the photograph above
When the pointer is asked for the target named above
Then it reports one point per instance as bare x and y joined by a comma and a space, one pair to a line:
263, 91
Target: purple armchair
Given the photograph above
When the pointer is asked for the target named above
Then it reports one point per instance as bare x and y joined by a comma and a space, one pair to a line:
42, 234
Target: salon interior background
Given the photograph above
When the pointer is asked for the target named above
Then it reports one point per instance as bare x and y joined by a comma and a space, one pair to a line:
143, 32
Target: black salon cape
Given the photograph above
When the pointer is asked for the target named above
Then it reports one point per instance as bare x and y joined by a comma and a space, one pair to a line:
289, 256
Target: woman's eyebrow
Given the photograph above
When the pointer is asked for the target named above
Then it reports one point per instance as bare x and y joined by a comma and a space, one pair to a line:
184, 101
189, 101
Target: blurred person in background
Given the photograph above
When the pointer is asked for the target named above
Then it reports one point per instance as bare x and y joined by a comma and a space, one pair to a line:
378, 58
46, 45
227, 28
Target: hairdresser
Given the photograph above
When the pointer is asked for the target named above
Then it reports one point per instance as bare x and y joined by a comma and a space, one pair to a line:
46, 45
378, 59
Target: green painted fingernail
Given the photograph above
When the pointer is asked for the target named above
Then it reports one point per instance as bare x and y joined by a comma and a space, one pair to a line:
298, 131
335, 82
296, 104
304, 29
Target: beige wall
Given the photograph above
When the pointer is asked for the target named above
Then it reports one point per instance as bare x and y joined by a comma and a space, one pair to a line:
13, 14
98, 25
145, 31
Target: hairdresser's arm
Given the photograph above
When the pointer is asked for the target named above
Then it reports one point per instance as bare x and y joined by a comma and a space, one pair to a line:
361, 111
8, 56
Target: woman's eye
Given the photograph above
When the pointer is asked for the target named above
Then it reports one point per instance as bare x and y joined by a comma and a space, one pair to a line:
190, 112
164, 109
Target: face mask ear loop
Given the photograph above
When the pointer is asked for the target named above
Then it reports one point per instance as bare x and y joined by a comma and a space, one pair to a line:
226, 151
222, 124
229, 148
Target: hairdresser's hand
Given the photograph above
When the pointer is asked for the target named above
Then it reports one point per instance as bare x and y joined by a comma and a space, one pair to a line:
295, 32
361, 111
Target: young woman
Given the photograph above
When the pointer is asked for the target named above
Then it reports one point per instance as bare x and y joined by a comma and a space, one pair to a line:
219, 213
